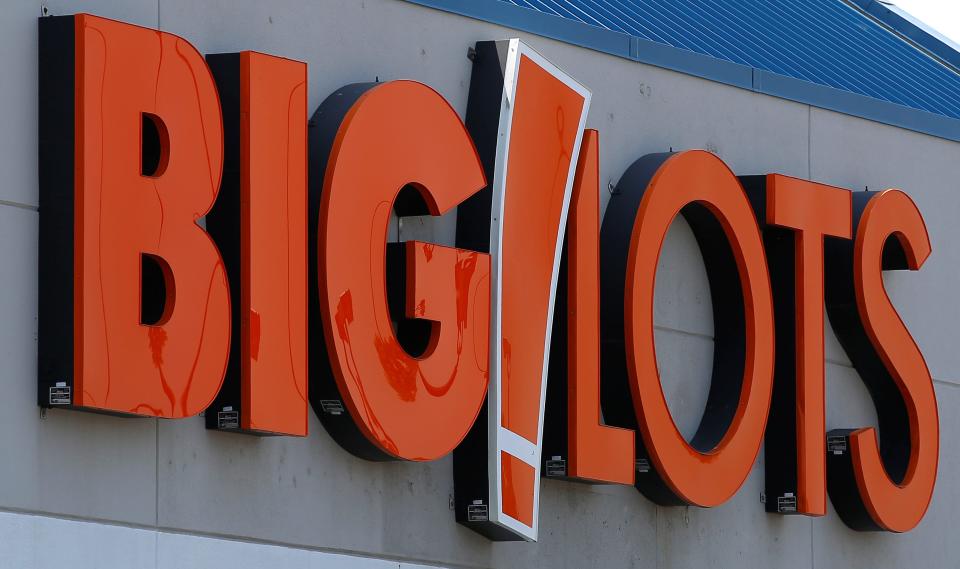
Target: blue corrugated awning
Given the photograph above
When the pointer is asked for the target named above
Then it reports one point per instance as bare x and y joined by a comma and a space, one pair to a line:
826, 42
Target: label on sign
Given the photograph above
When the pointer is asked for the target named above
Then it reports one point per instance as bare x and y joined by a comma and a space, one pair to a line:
228, 419
60, 395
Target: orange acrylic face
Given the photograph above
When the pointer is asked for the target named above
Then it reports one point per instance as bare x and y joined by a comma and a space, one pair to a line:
519, 487
597, 452
273, 210
894, 505
711, 477
172, 367
415, 408
813, 211
543, 133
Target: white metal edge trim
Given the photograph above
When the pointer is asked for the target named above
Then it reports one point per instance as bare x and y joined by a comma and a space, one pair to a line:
517, 446
495, 509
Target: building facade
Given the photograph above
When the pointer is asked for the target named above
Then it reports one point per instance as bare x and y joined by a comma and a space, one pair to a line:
94, 490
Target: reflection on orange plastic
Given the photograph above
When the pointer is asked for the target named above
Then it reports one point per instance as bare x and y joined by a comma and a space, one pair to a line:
517, 478
400, 133
546, 121
699, 478
597, 452
173, 368
273, 212
814, 211
894, 507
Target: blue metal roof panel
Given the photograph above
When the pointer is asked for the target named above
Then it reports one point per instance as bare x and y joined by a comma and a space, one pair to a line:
828, 42
913, 29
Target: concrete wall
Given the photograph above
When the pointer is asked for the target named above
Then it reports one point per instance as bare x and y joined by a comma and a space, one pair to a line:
100, 491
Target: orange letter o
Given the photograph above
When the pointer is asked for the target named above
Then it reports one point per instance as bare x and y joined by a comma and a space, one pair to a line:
708, 470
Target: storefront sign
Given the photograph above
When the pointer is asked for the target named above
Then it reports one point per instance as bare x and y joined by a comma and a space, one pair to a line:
201, 242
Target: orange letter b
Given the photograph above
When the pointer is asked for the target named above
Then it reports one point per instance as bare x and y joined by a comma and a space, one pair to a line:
135, 310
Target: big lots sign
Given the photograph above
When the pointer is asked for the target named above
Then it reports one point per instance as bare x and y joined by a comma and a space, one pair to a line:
416, 349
